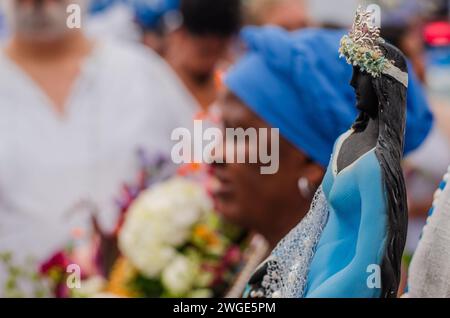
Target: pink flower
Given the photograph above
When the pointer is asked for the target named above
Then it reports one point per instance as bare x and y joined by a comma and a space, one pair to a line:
232, 256
57, 261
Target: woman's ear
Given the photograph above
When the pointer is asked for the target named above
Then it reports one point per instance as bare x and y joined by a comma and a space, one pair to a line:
308, 169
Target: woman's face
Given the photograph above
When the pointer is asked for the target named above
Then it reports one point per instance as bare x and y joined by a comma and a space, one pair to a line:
366, 98
243, 194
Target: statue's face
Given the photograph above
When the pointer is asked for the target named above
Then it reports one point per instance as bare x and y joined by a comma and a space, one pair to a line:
366, 98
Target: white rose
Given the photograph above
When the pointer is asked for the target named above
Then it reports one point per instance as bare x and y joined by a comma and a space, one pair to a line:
159, 221
143, 241
154, 260
179, 277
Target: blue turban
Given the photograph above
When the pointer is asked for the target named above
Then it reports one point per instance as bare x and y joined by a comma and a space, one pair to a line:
149, 13
296, 82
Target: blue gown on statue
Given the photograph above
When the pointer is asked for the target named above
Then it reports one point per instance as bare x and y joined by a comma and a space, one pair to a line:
354, 237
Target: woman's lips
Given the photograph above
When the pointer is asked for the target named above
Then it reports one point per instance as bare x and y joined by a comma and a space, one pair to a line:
222, 191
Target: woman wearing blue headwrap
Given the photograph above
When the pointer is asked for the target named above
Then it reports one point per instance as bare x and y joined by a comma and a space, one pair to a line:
262, 92
265, 90
279, 84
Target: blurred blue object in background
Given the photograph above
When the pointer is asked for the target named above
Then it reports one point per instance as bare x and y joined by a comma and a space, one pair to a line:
100, 5
150, 14
3, 30
326, 43
97, 6
437, 36
275, 60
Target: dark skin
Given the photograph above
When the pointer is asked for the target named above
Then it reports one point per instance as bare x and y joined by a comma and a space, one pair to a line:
356, 145
360, 142
267, 204
195, 59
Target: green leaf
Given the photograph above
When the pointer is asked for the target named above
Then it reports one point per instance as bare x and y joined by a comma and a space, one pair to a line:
146, 287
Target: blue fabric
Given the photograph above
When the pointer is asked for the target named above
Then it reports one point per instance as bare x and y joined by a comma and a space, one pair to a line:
3, 31
442, 186
97, 6
296, 82
280, 80
355, 234
149, 13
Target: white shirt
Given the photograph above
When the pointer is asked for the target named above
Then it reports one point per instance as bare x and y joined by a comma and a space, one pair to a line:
429, 272
125, 98
116, 22
428, 161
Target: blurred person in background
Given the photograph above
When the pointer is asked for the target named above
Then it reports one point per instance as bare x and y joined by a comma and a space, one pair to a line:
288, 14
402, 25
156, 19
201, 42
73, 114
311, 101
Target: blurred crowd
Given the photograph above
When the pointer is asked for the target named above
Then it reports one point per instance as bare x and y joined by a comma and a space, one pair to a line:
77, 104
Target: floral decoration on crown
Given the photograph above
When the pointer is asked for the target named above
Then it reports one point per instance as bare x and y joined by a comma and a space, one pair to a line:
361, 46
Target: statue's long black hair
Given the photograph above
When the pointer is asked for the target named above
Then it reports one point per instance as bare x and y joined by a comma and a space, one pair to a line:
389, 151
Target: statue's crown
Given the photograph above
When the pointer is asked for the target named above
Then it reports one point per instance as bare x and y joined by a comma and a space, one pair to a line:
361, 46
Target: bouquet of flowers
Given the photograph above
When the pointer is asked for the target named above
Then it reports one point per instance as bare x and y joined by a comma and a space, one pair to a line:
171, 243
174, 245
168, 242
